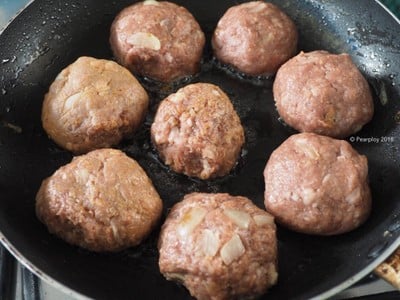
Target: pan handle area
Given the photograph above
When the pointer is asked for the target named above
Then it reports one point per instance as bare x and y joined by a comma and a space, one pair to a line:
389, 270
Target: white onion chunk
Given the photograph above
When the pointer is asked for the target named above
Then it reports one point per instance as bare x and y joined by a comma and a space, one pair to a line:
144, 40
190, 220
232, 250
209, 243
240, 218
262, 220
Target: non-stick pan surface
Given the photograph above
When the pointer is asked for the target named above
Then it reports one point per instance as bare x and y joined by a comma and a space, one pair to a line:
50, 34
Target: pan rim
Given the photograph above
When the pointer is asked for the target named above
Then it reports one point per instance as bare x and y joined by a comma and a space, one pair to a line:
79, 296
361, 274
388, 11
15, 16
38, 272
73, 293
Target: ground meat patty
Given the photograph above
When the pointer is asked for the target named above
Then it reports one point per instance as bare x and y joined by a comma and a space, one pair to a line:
219, 246
101, 201
255, 37
160, 40
197, 131
317, 185
93, 103
323, 93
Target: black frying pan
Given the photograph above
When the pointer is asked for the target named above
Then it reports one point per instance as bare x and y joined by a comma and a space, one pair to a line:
50, 34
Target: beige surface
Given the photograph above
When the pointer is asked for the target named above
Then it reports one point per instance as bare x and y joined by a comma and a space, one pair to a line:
390, 269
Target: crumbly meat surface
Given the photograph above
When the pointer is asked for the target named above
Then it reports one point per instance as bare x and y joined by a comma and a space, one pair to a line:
219, 246
323, 93
255, 37
101, 201
197, 131
317, 185
93, 103
160, 40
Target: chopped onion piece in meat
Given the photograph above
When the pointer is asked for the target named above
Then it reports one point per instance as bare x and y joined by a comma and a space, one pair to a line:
209, 243
114, 229
150, 2
257, 7
232, 250
240, 218
176, 276
190, 220
262, 220
308, 149
353, 196
272, 273
145, 40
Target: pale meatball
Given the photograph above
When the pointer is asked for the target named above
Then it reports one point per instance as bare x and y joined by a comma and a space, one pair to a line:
101, 201
323, 93
160, 40
255, 37
317, 185
219, 246
93, 103
197, 131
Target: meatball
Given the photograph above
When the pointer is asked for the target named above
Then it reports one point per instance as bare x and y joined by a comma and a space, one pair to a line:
93, 103
160, 40
255, 37
197, 131
219, 246
317, 185
101, 201
334, 98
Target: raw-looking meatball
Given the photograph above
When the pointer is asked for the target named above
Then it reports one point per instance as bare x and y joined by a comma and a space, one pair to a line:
323, 93
197, 131
160, 40
255, 37
101, 201
219, 246
317, 185
93, 103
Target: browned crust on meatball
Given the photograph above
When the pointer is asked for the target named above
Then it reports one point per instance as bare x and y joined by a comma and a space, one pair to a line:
101, 201
197, 131
193, 241
93, 103
160, 40
255, 37
317, 185
323, 93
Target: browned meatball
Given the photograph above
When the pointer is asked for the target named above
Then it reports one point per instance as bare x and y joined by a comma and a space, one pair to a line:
198, 132
160, 40
323, 93
255, 37
318, 185
101, 201
219, 246
93, 103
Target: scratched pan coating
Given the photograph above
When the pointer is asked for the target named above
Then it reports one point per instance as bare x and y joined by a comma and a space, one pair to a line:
50, 34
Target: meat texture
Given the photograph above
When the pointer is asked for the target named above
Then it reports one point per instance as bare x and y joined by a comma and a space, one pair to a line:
198, 132
317, 185
323, 93
255, 37
101, 201
160, 40
93, 103
219, 246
